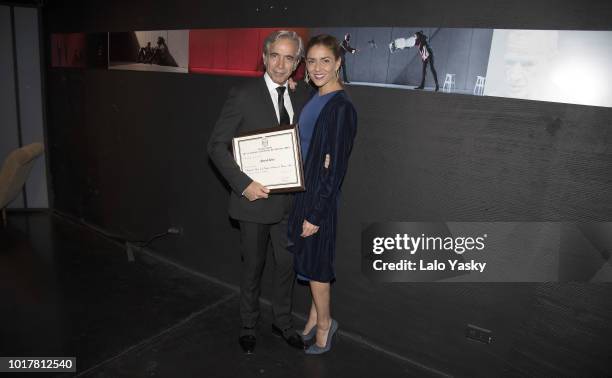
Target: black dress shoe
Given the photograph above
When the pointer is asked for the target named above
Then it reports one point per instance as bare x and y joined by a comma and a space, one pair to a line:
247, 342
291, 337
419, 87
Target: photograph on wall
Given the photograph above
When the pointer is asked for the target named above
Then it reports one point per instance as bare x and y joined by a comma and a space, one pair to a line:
451, 60
155, 50
566, 66
233, 52
79, 50
546, 65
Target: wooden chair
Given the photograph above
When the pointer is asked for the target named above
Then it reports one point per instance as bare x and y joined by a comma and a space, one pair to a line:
14, 173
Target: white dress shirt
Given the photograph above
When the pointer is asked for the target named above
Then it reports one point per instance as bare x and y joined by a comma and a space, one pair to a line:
274, 94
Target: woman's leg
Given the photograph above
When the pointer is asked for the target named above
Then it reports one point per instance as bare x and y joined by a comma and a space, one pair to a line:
312, 319
433, 70
320, 296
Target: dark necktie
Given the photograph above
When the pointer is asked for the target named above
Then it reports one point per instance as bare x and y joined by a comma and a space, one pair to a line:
284, 116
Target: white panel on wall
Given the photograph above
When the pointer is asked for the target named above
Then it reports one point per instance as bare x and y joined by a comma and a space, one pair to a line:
9, 132
30, 99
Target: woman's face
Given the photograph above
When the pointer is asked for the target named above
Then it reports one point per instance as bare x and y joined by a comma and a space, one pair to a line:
322, 65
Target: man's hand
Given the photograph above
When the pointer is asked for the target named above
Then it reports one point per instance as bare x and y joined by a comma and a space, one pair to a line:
308, 229
255, 191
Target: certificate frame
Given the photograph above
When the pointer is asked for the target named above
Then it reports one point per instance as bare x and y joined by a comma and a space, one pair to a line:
285, 150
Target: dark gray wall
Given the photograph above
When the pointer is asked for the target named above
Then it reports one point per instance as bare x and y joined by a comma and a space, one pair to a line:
127, 153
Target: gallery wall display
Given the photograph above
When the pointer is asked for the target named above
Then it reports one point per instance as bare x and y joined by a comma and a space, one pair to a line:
544, 65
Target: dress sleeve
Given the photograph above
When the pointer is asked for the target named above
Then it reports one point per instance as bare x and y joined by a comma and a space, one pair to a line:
340, 133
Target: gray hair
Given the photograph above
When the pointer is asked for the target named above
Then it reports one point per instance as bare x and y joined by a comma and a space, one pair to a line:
291, 35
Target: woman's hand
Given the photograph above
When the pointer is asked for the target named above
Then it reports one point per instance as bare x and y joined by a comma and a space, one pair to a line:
292, 84
308, 229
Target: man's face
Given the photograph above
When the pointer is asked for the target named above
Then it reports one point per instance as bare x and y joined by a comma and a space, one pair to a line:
526, 60
519, 72
281, 60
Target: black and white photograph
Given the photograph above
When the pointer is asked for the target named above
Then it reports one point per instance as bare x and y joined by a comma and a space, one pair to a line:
570, 66
449, 60
155, 50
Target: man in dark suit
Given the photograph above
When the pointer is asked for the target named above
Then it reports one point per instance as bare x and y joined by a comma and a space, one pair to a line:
258, 104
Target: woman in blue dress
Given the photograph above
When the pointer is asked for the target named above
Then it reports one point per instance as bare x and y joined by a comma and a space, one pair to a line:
327, 124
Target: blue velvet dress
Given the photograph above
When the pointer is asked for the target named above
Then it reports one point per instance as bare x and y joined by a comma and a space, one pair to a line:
333, 134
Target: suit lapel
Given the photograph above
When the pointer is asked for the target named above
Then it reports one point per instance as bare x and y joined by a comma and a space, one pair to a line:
270, 113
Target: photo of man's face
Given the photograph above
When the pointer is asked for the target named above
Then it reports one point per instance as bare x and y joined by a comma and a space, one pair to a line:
519, 70
527, 55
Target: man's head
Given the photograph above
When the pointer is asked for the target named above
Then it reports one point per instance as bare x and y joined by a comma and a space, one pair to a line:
526, 58
347, 37
282, 51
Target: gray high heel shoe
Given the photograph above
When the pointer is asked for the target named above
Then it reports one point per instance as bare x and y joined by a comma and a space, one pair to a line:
308, 338
315, 349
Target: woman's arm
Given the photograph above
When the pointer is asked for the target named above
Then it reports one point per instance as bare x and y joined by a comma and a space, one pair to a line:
341, 134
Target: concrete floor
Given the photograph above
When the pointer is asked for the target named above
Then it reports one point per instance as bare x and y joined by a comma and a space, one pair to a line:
70, 291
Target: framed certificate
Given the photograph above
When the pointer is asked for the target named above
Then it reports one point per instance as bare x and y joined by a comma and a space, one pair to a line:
271, 157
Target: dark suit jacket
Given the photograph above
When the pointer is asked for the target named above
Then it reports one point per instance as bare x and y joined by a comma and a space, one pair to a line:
248, 108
